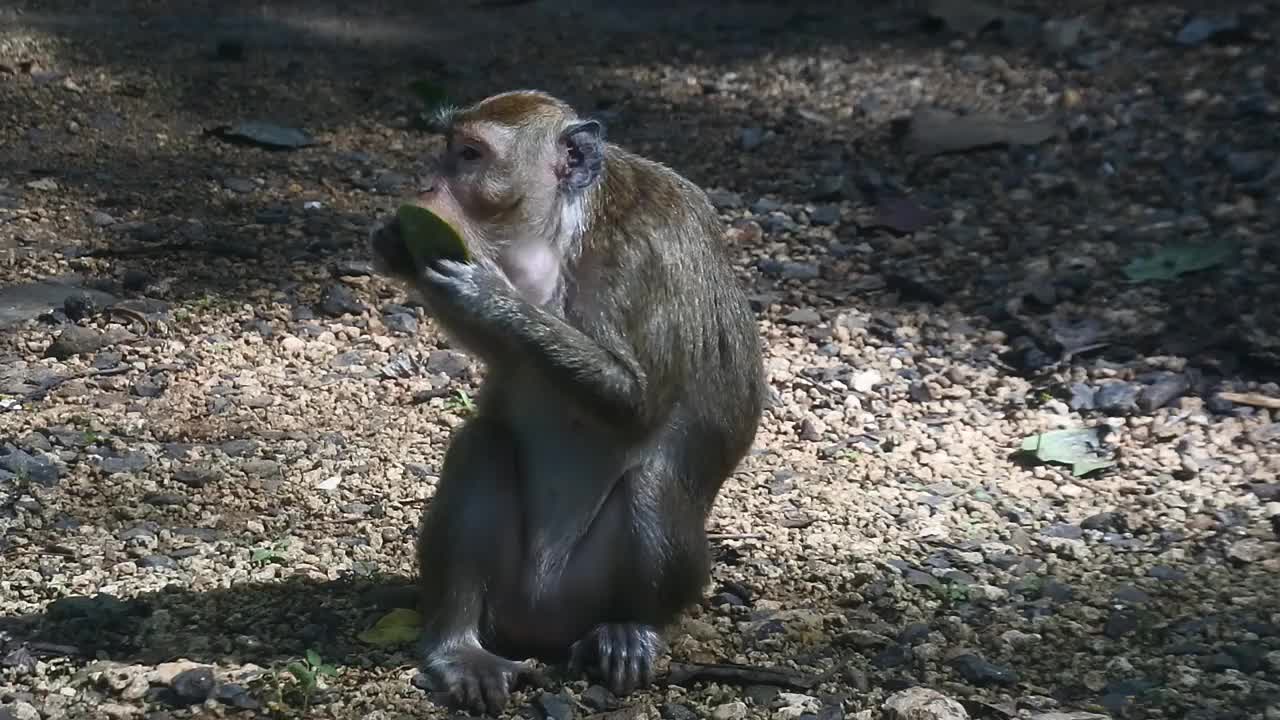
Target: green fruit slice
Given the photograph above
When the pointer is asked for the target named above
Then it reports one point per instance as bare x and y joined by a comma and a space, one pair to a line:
428, 236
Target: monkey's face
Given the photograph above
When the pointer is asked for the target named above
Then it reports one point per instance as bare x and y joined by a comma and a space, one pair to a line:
510, 167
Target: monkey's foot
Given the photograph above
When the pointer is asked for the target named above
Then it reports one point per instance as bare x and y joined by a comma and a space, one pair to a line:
623, 655
475, 678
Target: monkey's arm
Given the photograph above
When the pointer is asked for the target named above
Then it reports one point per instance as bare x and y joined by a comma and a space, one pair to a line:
602, 374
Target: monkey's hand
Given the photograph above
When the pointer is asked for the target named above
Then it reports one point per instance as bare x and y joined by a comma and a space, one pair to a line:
462, 289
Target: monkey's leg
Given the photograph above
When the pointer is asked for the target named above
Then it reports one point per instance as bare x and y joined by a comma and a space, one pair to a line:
469, 543
661, 571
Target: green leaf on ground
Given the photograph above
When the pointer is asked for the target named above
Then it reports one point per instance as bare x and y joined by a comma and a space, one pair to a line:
1078, 447
398, 627
1171, 262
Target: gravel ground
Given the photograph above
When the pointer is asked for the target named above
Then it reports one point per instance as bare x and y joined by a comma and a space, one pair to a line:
217, 429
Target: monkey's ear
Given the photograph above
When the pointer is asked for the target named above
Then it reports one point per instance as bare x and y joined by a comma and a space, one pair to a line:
583, 145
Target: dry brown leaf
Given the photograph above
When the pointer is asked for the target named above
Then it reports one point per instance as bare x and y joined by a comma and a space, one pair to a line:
933, 131
1251, 399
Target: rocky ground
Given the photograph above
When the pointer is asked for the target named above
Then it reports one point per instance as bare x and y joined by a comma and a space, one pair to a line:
217, 428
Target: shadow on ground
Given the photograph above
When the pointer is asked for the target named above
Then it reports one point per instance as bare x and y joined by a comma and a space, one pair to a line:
219, 219
270, 624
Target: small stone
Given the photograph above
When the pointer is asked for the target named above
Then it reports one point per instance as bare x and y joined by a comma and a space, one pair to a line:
1247, 166
402, 323
76, 340
452, 363
1243, 552
598, 697
97, 218
1083, 397
725, 200
118, 711
919, 392
148, 387
1163, 391
750, 138
236, 696
864, 381
798, 271
1063, 530
193, 686
736, 710
166, 499
892, 656
676, 711
1120, 623
825, 215
1203, 28
920, 703
157, 561
338, 300
1129, 595
35, 468
239, 184
982, 672
1116, 397
20, 660
803, 316
1165, 573
1110, 521
261, 468
196, 476
131, 461
556, 707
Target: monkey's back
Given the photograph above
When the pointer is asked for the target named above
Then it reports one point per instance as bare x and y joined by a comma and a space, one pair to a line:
685, 313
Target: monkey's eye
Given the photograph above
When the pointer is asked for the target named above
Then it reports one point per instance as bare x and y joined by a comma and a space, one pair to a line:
469, 153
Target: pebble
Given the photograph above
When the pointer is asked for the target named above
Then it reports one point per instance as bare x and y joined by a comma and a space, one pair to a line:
239, 184
1116, 397
736, 710
555, 707
981, 672
920, 703
1163, 391
339, 300
1249, 551
37, 468
131, 461
677, 711
193, 686
76, 340
825, 215
403, 323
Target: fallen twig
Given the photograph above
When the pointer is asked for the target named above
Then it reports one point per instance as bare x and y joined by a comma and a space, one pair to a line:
1251, 399
735, 536
740, 675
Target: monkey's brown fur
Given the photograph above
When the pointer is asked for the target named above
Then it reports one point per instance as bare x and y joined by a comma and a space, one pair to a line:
624, 385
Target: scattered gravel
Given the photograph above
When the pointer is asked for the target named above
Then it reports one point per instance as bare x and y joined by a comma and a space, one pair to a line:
218, 427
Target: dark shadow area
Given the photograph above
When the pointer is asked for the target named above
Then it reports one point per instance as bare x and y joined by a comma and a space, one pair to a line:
664, 79
1139, 604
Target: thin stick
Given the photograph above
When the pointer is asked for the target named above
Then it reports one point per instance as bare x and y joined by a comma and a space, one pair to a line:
734, 536
1252, 399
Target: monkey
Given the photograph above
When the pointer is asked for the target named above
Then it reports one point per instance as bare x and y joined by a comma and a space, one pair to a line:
623, 385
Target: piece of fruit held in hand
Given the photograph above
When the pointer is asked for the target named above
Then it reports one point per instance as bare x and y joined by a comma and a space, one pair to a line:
428, 236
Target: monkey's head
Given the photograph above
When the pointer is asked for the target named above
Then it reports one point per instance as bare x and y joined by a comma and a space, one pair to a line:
517, 169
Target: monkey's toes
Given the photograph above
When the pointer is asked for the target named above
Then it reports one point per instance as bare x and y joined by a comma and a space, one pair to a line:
623, 655
477, 679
